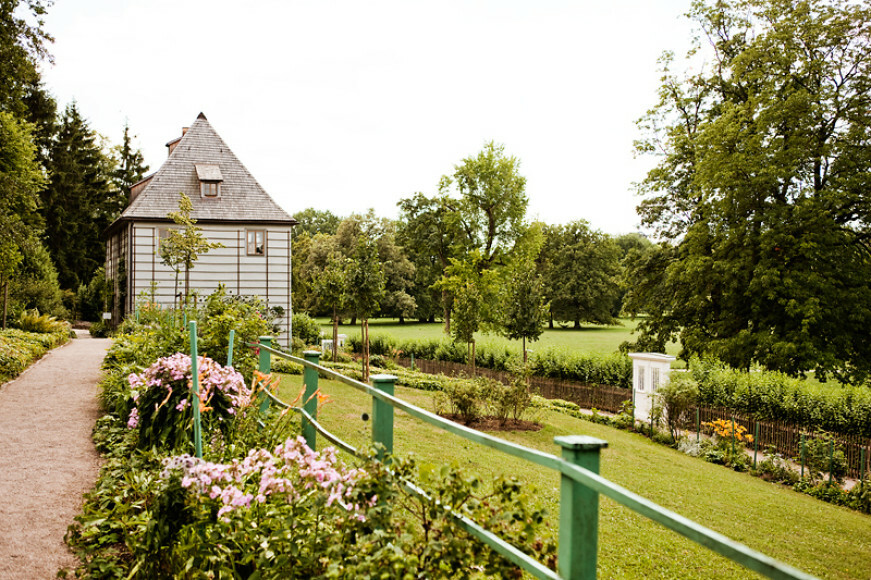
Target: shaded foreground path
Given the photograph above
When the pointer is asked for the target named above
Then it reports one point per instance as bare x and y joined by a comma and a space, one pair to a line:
47, 458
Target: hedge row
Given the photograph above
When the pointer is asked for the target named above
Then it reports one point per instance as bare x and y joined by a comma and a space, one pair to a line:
19, 349
772, 396
559, 363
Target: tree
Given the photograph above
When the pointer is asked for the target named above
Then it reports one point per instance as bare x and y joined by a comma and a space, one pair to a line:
429, 229
20, 181
524, 306
398, 271
761, 187
313, 221
492, 204
581, 270
475, 294
481, 207
364, 286
23, 45
184, 245
330, 291
130, 165
78, 203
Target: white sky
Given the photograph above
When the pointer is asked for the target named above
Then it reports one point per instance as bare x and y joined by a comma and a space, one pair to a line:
347, 105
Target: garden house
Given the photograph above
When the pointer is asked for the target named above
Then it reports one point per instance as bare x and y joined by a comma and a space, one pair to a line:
229, 206
650, 370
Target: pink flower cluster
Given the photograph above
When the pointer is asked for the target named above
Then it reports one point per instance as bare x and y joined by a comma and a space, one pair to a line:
174, 372
287, 472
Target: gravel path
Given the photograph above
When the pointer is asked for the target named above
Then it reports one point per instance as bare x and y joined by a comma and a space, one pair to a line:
47, 458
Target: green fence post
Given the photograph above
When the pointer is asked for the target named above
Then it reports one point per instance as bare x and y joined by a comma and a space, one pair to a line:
831, 459
310, 401
195, 399
265, 367
579, 510
230, 348
412, 361
802, 455
382, 415
755, 444
698, 425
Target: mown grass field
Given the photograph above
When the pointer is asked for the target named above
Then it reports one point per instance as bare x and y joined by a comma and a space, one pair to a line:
588, 338
824, 540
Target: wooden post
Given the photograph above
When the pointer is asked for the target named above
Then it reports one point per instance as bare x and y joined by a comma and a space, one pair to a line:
579, 510
802, 455
382, 415
756, 445
698, 425
310, 400
265, 367
195, 399
733, 438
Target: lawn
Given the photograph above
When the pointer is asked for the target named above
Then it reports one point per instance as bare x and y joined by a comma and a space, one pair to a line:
588, 338
822, 539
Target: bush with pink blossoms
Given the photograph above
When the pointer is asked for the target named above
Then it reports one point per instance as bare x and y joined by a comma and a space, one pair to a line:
163, 400
275, 513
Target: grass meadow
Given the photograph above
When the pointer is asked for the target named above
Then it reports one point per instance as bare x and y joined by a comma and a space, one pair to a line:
589, 338
819, 538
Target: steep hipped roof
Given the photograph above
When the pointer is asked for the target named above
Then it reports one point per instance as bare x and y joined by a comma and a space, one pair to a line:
242, 198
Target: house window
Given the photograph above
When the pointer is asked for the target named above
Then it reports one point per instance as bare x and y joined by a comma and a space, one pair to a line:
210, 189
256, 242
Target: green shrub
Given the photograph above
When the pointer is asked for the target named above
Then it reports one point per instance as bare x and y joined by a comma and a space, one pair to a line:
100, 329
772, 396
19, 349
33, 321
675, 399
305, 328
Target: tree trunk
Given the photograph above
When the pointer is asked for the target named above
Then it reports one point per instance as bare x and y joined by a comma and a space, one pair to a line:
550, 322
364, 333
353, 320
335, 332
187, 284
401, 319
5, 301
446, 304
473, 358
577, 324
524, 350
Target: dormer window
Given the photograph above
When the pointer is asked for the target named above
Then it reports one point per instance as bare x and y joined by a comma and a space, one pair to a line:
210, 188
210, 178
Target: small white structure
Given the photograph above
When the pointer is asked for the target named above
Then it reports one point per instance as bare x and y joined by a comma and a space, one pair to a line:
650, 370
327, 346
340, 342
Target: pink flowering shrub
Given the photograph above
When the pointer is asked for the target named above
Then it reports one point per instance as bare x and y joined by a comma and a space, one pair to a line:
274, 513
289, 473
163, 401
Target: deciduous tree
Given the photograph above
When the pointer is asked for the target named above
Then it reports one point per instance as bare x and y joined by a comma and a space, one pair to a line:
364, 288
762, 187
581, 269
185, 244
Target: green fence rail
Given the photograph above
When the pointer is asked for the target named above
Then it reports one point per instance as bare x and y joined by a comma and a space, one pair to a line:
580, 484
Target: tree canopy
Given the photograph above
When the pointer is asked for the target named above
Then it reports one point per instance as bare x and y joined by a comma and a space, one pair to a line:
761, 188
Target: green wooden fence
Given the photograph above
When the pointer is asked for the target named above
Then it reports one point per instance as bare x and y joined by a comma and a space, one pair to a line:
578, 465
